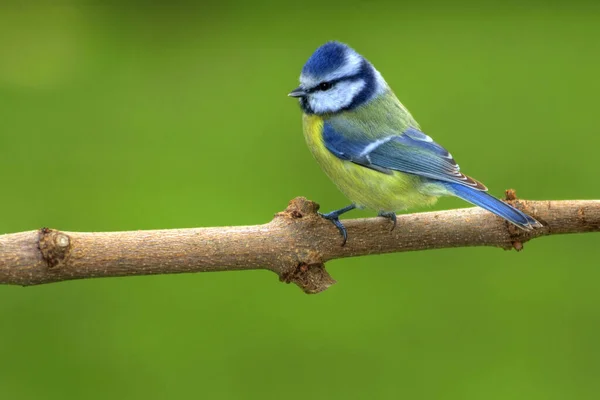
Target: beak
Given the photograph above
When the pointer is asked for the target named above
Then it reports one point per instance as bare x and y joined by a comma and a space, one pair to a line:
298, 92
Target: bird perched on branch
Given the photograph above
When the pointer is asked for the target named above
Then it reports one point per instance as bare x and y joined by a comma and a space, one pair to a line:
369, 144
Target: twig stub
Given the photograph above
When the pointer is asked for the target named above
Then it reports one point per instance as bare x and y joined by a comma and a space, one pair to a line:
55, 247
299, 207
311, 278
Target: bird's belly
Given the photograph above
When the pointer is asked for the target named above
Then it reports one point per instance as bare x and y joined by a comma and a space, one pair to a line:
364, 186
376, 190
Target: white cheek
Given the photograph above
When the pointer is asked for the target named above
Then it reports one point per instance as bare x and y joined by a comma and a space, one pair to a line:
338, 97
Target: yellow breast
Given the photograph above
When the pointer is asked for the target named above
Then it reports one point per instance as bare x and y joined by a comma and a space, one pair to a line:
313, 133
364, 186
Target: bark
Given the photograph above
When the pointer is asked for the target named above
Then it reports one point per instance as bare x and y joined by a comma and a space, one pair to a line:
295, 244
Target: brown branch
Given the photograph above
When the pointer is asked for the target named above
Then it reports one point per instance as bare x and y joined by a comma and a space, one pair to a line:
295, 244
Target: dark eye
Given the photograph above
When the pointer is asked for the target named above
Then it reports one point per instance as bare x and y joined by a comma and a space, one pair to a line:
325, 86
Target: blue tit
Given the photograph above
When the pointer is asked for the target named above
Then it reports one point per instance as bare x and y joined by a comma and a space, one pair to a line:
372, 148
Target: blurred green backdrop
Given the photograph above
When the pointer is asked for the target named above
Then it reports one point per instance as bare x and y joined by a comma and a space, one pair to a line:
134, 115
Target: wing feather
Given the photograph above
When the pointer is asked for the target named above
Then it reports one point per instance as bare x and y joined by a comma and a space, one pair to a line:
411, 152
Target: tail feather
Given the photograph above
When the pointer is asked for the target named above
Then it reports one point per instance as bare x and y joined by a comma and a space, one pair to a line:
492, 204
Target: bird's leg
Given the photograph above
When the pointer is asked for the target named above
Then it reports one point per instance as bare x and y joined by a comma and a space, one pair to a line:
389, 215
334, 217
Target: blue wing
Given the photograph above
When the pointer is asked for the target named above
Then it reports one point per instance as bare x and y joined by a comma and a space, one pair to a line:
412, 152
416, 153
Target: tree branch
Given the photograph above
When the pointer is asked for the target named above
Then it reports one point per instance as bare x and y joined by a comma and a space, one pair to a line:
295, 244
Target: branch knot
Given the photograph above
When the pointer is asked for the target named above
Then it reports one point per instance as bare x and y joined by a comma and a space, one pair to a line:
298, 208
311, 278
55, 247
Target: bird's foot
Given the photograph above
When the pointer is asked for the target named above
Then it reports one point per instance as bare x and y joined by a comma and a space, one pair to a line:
334, 217
389, 215
335, 220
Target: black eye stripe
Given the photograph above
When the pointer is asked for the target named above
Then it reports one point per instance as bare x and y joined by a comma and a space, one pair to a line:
332, 82
325, 86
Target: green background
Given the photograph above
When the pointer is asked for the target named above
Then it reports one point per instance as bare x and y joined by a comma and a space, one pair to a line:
134, 115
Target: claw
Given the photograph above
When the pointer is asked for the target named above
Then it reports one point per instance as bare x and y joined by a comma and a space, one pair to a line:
334, 217
335, 220
389, 215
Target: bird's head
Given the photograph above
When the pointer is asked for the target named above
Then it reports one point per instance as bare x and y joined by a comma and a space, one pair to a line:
336, 78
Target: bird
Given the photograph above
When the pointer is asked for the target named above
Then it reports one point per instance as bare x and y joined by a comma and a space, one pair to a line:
372, 148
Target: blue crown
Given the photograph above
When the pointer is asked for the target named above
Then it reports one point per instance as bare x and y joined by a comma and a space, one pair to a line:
326, 59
